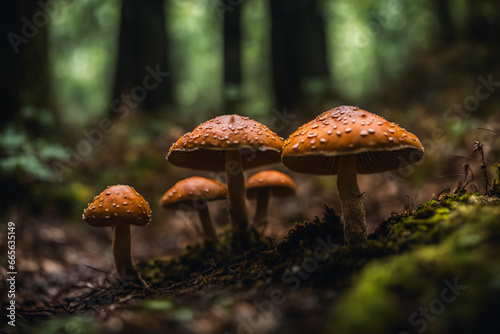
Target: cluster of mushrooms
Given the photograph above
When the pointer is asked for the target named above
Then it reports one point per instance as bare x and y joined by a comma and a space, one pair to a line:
344, 141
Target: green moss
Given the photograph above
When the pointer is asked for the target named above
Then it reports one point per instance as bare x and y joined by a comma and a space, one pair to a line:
428, 224
391, 291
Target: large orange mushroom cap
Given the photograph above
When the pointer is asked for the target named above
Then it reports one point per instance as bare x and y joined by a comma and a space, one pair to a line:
379, 145
117, 204
204, 148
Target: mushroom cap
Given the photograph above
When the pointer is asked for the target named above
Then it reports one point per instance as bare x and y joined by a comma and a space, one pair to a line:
378, 144
204, 147
117, 204
191, 190
279, 184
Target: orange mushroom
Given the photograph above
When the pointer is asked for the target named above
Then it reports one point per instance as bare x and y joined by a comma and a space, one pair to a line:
229, 143
346, 141
194, 193
264, 184
119, 206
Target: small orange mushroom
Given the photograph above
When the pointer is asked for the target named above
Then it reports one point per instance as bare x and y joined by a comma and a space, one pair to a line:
264, 184
119, 206
194, 193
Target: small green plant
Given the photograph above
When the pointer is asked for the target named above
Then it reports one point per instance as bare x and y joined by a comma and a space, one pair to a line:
494, 188
24, 155
491, 185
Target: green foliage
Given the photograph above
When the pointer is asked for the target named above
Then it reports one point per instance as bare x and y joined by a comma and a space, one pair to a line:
69, 324
181, 314
158, 305
24, 156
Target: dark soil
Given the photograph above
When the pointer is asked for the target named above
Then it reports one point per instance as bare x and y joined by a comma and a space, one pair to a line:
308, 282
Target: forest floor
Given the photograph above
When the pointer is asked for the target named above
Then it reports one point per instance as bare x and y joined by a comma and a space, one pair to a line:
435, 269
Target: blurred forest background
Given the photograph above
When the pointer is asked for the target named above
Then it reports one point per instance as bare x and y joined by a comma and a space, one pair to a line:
87, 101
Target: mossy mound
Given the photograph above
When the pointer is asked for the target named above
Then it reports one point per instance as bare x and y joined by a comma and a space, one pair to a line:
314, 251
303, 236
452, 286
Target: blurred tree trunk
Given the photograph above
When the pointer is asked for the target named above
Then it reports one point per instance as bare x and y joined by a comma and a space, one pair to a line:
447, 26
10, 22
299, 59
25, 61
232, 59
482, 20
142, 51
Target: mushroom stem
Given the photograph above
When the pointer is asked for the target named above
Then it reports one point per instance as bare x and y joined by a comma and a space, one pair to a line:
260, 218
206, 224
122, 252
236, 192
353, 211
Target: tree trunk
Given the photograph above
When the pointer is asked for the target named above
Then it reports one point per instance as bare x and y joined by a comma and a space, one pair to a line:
445, 20
25, 59
232, 59
479, 28
300, 68
10, 22
143, 44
